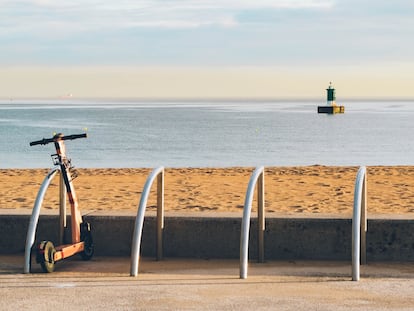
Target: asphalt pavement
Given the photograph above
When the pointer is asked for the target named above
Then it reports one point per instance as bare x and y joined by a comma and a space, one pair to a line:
104, 283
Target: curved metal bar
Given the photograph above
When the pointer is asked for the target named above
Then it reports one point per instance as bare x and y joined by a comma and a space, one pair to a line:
31, 232
244, 238
139, 221
160, 215
359, 225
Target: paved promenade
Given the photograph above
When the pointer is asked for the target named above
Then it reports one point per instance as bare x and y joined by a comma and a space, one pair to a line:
178, 284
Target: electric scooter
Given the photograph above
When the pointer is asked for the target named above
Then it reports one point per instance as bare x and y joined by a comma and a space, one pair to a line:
46, 253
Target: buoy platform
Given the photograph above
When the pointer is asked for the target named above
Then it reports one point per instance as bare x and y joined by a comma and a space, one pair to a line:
331, 109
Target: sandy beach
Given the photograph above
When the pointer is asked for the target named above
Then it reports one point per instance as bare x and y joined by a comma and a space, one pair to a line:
308, 190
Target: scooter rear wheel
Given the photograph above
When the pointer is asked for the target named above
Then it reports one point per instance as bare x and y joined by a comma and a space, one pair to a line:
86, 237
46, 256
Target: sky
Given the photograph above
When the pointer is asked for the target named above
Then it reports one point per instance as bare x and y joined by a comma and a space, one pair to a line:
206, 48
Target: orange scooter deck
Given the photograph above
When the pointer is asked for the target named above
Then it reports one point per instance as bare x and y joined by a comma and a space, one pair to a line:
67, 250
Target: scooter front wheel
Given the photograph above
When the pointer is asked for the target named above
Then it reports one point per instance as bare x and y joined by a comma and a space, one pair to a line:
46, 256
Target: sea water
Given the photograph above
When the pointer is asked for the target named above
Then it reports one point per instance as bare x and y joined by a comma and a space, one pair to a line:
207, 134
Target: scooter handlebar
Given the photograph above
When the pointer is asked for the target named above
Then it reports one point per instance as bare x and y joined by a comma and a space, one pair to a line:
44, 141
57, 137
74, 136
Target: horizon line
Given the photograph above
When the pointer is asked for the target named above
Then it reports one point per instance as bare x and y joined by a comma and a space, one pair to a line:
203, 98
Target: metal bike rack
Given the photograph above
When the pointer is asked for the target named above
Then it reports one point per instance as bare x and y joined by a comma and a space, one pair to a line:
257, 177
359, 223
139, 221
31, 232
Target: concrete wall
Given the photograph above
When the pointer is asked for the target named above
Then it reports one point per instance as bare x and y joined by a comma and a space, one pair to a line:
215, 237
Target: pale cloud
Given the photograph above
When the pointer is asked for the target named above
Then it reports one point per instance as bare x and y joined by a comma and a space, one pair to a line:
100, 14
355, 43
208, 32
